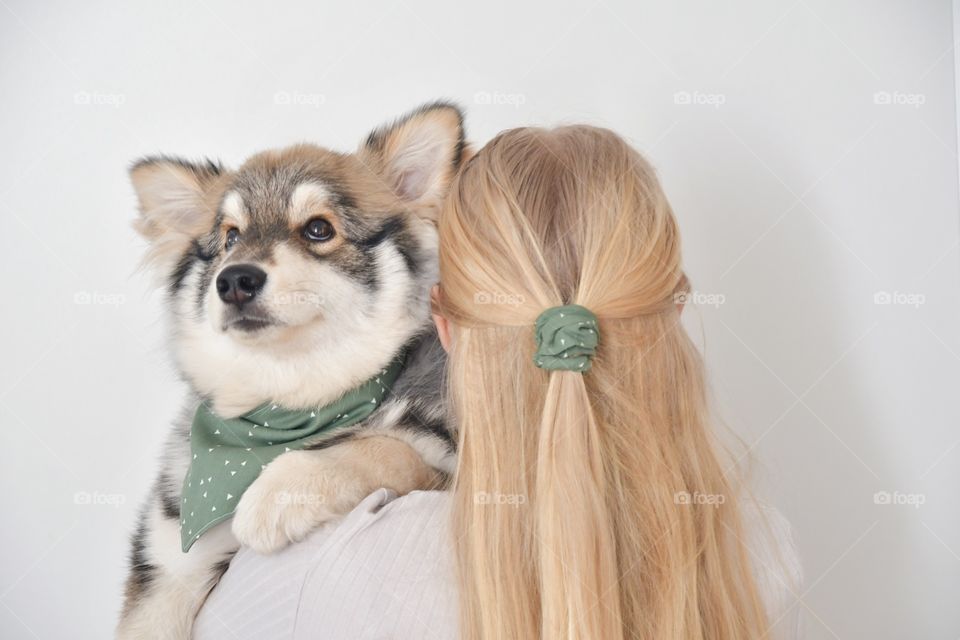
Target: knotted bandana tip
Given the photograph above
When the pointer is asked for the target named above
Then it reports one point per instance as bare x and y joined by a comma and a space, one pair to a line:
567, 338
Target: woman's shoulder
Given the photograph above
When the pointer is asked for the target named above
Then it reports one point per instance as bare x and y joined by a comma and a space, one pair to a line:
386, 567
384, 513
385, 519
394, 522
416, 504
383, 570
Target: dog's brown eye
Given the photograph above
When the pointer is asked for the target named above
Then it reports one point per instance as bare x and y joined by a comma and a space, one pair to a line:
233, 236
318, 230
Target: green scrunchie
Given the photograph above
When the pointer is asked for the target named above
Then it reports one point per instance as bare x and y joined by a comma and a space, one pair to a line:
566, 338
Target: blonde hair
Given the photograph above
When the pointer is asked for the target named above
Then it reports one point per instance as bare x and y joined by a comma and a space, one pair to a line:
569, 516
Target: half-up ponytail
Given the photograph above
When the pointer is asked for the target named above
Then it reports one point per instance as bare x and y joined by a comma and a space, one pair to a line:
576, 545
566, 519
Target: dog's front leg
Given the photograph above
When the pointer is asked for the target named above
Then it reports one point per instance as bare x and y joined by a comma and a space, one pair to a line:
301, 490
166, 587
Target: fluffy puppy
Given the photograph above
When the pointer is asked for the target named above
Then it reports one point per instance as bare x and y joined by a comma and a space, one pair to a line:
293, 280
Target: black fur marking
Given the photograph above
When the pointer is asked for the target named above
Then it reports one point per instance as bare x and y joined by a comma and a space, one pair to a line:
354, 264
203, 169
221, 567
391, 227
208, 247
332, 441
184, 265
340, 198
415, 420
205, 278
409, 250
169, 504
367, 276
142, 573
258, 243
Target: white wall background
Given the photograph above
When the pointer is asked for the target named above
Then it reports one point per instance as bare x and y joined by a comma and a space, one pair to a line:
801, 195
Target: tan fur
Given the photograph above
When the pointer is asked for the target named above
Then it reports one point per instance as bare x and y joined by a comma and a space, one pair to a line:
234, 214
310, 200
176, 205
424, 135
359, 173
303, 489
370, 178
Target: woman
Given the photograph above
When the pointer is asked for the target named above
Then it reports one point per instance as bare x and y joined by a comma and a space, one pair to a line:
590, 501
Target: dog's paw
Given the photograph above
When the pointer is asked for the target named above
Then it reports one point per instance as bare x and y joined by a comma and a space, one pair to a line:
288, 501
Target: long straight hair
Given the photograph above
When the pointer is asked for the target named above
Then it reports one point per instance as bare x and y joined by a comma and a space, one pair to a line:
587, 506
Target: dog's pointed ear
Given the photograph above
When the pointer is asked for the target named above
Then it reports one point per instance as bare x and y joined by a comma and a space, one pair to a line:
419, 154
176, 203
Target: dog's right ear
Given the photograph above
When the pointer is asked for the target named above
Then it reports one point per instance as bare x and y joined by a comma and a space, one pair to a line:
418, 155
177, 203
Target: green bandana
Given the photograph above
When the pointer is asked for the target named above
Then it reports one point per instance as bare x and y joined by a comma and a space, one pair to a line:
566, 338
229, 454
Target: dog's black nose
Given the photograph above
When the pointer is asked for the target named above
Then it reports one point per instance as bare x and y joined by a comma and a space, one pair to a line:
240, 283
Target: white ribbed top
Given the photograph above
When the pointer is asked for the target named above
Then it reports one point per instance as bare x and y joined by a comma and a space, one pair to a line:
385, 572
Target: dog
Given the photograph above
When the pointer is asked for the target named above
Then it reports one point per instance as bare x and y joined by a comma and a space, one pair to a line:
291, 281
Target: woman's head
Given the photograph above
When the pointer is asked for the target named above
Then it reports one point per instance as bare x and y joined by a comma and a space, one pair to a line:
570, 520
545, 217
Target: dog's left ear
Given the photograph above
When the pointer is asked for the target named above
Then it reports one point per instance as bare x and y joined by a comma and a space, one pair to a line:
176, 204
419, 154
